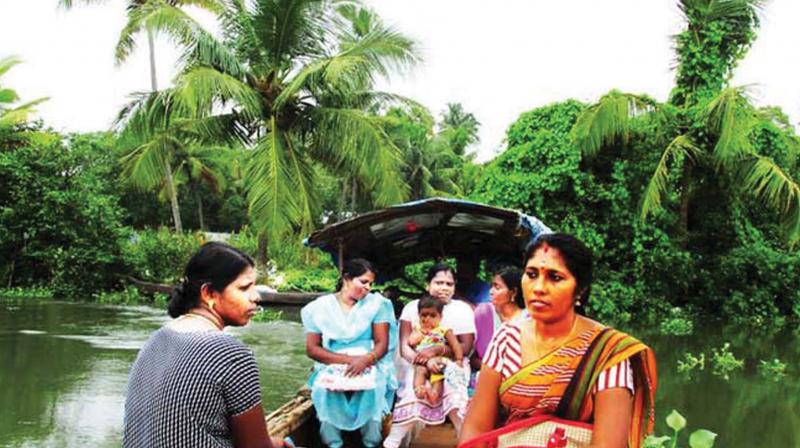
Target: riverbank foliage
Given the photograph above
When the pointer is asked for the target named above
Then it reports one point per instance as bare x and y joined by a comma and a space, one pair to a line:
691, 204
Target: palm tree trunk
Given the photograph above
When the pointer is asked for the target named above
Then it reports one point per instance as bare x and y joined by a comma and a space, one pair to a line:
354, 193
173, 199
10, 282
200, 208
261, 256
343, 200
685, 186
152, 47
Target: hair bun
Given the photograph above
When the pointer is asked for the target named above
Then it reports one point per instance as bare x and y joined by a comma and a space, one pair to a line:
177, 299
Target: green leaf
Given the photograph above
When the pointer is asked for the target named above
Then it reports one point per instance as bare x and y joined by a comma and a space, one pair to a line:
702, 438
676, 421
656, 442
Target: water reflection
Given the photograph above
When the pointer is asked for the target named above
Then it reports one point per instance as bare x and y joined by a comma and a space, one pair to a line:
64, 368
749, 410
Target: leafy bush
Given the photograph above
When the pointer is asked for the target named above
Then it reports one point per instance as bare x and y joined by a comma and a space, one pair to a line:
731, 264
310, 279
60, 221
677, 324
160, 255
541, 173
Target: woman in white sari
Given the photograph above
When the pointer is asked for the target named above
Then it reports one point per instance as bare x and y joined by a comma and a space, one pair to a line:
411, 413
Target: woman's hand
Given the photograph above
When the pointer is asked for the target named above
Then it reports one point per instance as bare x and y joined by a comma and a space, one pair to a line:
425, 355
357, 365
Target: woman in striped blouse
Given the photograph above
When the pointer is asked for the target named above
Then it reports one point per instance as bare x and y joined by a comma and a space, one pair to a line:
559, 363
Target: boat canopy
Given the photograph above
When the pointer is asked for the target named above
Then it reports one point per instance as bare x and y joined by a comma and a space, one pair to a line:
427, 229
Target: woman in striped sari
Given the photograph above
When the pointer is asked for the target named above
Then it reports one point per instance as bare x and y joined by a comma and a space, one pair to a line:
558, 363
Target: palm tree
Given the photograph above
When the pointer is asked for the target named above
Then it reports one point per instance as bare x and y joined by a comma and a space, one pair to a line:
708, 124
460, 127
295, 77
203, 165
154, 16
431, 166
12, 115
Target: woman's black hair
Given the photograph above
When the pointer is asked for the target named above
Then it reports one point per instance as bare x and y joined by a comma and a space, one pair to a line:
512, 278
353, 268
428, 301
437, 268
214, 264
576, 255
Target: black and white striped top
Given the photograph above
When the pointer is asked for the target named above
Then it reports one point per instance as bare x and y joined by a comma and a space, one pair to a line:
185, 385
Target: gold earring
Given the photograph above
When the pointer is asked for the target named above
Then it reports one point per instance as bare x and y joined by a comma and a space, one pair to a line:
577, 303
211, 305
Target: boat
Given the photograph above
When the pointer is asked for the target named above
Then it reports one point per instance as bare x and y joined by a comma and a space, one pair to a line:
392, 238
296, 419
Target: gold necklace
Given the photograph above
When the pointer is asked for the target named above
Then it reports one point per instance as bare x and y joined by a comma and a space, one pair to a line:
538, 353
204, 318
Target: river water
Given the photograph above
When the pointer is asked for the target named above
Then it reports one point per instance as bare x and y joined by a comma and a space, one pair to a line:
64, 369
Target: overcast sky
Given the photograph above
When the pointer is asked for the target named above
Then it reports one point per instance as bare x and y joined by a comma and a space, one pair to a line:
498, 58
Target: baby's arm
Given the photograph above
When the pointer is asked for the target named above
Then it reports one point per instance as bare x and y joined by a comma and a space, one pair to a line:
452, 341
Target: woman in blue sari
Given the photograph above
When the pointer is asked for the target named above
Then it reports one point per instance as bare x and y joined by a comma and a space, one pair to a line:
351, 335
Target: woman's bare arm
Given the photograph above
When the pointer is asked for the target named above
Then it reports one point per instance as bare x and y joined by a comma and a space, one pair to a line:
613, 411
484, 407
380, 338
249, 430
406, 351
317, 352
455, 346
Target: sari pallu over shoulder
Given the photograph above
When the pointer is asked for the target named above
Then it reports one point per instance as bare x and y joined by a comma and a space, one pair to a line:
585, 357
609, 348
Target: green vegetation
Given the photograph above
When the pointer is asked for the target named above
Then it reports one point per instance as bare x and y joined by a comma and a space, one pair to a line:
677, 323
690, 364
26, 293
723, 362
683, 226
268, 315
701, 438
130, 295
270, 131
773, 370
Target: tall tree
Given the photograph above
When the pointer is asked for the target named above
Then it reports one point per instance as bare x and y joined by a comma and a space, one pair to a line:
294, 78
203, 165
706, 123
431, 166
459, 127
152, 17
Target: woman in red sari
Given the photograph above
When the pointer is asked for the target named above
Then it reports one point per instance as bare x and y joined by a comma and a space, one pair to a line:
558, 363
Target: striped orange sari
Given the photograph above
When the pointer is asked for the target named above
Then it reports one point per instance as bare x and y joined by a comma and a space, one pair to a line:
546, 386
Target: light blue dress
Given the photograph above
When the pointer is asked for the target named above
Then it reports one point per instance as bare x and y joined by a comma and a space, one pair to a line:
342, 330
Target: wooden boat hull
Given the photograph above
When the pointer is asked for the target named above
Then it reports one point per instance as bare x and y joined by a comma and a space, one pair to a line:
297, 419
